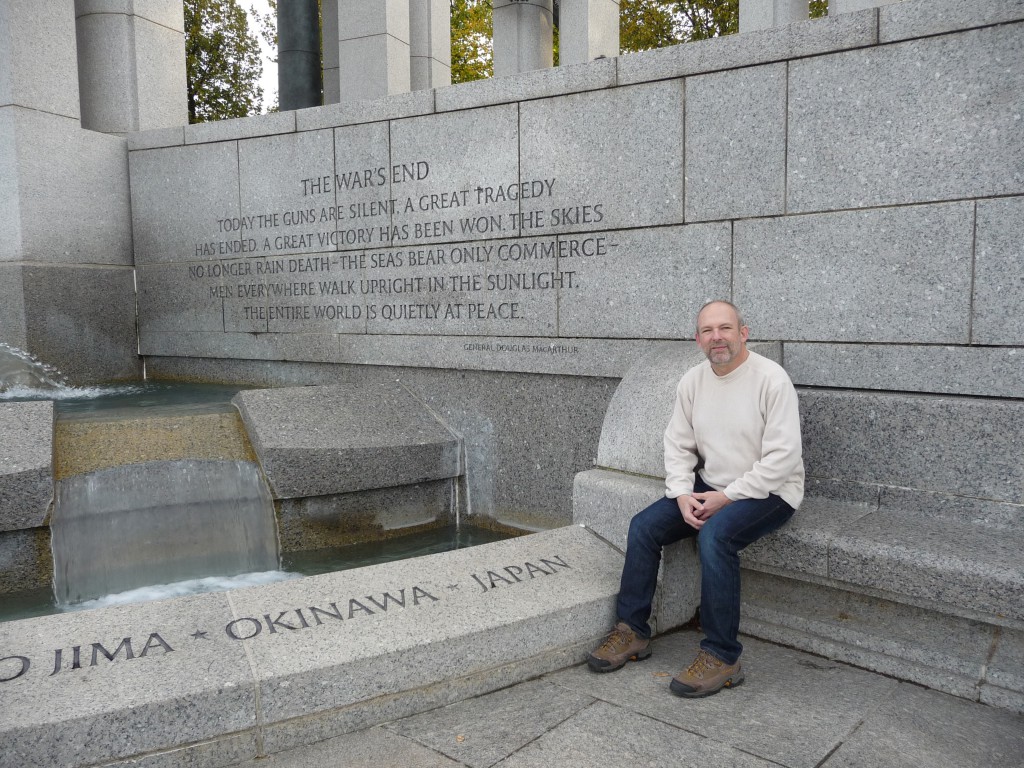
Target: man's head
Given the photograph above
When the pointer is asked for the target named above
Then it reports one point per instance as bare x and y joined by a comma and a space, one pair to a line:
722, 336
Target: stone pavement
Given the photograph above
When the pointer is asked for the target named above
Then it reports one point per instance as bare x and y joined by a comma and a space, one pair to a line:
794, 710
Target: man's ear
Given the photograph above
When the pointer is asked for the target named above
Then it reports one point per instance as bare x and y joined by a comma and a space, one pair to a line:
744, 332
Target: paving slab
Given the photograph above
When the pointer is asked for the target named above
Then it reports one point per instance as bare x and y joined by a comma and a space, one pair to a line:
482, 731
916, 727
793, 708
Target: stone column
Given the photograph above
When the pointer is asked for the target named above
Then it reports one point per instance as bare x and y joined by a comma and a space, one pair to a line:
764, 14
66, 281
587, 29
369, 56
298, 64
131, 64
523, 36
848, 6
430, 32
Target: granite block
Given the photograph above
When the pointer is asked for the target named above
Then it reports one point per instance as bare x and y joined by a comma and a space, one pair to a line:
618, 160
454, 622
272, 124
998, 273
603, 733
164, 12
941, 651
644, 283
319, 522
962, 565
915, 727
798, 40
26, 561
444, 190
1003, 685
148, 677
538, 84
394, 107
313, 441
156, 138
215, 344
736, 143
578, 357
984, 371
634, 425
363, 19
802, 545
38, 65
482, 731
990, 515
951, 107
383, 65
26, 463
12, 305
276, 174
81, 319
918, 18
961, 446
840, 490
804, 708
106, 59
179, 194
160, 68
605, 502
45, 154
885, 275
172, 299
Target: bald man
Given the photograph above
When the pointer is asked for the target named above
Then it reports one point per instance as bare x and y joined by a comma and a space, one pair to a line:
736, 417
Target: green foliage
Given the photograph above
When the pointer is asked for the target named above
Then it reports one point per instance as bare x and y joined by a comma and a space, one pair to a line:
222, 62
472, 32
645, 24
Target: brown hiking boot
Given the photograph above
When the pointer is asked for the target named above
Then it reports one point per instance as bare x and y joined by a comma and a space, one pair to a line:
620, 645
705, 676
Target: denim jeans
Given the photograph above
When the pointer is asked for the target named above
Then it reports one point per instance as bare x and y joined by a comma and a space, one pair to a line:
719, 542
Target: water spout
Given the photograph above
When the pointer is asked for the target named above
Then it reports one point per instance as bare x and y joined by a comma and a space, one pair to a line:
20, 370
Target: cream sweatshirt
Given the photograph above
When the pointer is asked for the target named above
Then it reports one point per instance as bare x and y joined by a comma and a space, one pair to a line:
744, 425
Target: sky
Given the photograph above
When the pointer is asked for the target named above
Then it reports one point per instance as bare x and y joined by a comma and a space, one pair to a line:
269, 79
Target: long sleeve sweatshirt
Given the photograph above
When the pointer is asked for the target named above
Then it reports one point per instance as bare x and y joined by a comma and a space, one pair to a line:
746, 428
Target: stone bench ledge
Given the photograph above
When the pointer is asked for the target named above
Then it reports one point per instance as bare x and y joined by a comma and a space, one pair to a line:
207, 673
315, 441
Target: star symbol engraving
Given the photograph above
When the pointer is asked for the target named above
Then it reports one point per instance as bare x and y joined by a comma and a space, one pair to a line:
454, 586
200, 635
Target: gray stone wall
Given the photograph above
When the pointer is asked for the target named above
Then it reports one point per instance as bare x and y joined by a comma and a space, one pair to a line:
855, 183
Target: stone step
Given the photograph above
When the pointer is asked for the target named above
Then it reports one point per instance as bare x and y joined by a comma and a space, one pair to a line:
961, 656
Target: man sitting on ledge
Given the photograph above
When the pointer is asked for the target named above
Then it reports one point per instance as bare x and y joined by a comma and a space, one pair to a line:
737, 413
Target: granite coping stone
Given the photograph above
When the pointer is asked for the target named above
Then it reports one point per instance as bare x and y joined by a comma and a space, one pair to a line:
241, 128
393, 107
313, 441
540, 83
917, 18
803, 38
168, 674
26, 463
156, 138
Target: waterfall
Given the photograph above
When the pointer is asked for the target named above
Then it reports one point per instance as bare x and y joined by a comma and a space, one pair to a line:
160, 522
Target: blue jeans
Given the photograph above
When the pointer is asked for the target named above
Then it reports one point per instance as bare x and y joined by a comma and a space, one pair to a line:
719, 542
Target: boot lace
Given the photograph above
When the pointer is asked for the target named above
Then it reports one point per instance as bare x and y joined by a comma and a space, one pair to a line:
616, 639
704, 662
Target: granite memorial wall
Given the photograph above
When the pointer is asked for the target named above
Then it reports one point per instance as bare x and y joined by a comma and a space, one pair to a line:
853, 183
